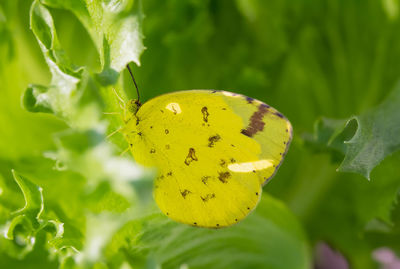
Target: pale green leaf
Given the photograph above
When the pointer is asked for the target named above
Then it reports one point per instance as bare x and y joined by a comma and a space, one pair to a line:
115, 27
377, 136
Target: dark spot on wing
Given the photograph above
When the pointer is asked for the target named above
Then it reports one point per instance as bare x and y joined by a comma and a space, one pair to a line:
130, 145
191, 156
213, 139
279, 114
236, 219
166, 131
248, 208
194, 223
223, 177
224, 108
233, 160
167, 213
205, 113
256, 122
151, 127
217, 225
207, 197
249, 100
232, 145
265, 105
169, 173
162, 111
152, 151
222, 163
174, 110
185, 192
257, 193
167, 146
204, 179
214, 91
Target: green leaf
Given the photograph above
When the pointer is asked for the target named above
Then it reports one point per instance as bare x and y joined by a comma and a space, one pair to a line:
365, 139
271, 237
329, 59
22, 230
33, 196
377, 136
59, 97
115, 27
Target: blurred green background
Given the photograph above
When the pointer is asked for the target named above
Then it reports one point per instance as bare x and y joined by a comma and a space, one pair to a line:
312, 60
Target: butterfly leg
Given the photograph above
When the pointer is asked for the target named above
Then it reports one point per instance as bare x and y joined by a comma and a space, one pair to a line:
125, 151
122, 104
114, 132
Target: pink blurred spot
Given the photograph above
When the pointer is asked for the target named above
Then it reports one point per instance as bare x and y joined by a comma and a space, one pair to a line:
387, 258
327, 258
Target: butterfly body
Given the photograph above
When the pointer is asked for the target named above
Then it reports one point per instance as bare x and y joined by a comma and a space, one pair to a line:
213, 149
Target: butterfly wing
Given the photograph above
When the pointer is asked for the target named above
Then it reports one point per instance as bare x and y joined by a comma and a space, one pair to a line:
214, 151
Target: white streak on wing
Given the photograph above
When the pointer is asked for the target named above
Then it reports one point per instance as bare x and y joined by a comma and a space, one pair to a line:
174, 107
250, 166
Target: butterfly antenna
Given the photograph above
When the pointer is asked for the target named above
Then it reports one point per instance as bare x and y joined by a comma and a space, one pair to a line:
134, 82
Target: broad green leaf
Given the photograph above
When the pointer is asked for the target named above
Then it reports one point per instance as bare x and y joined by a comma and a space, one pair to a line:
270, 237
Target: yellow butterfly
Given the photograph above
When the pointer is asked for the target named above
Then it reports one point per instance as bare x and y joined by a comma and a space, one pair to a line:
214, 151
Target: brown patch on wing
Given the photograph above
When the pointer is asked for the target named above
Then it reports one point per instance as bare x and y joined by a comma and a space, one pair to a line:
223, 177
205, 179
205, 113
185, 192
213, 139
207, 197
256, 122
191, 156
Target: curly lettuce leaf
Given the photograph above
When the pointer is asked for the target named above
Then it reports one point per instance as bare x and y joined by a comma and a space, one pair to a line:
85, 161
115, 29
377, 136
59, 97
366, 139
21, 231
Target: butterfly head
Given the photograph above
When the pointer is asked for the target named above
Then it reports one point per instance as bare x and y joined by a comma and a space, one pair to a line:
133, 106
